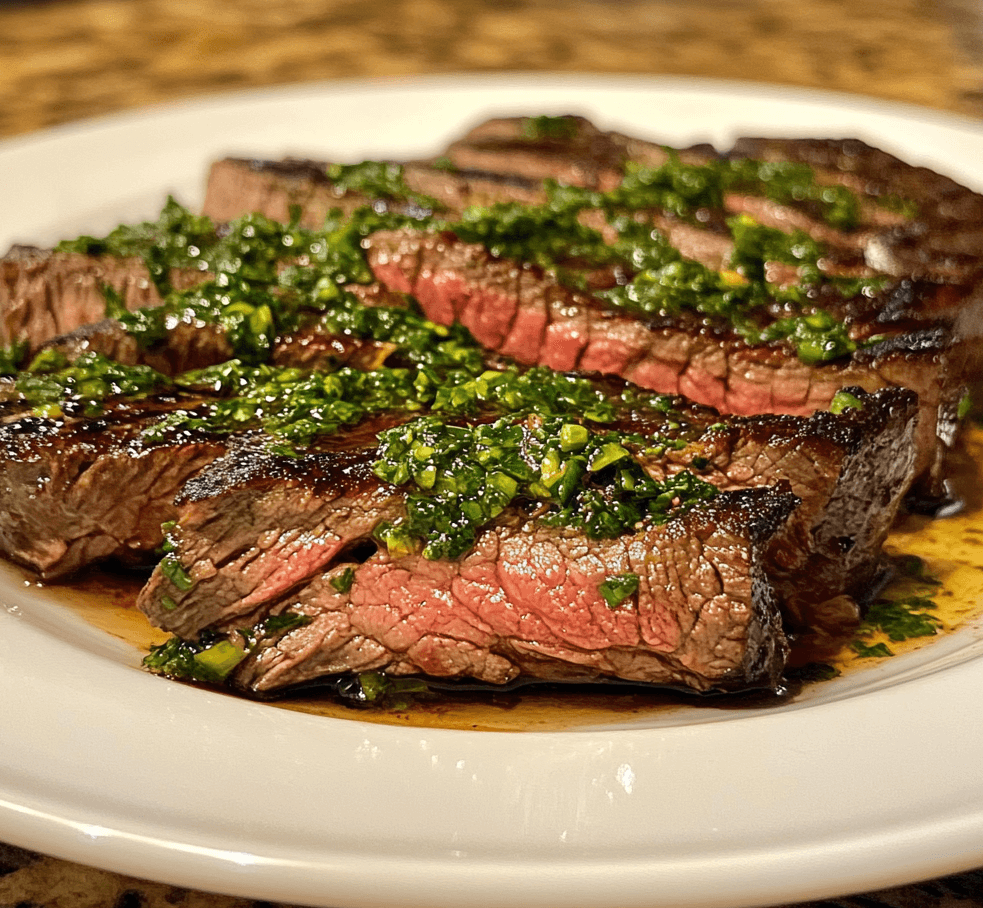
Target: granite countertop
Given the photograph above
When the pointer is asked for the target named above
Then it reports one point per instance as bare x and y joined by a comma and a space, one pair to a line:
64, 60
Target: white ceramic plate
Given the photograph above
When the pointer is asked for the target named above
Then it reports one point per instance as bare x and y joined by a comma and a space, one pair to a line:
875, 780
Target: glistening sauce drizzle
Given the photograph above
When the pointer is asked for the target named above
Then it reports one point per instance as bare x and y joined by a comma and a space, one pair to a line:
952, 549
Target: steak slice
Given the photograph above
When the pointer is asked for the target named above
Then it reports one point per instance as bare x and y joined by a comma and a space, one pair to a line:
80, 490
188, 345
522, 312
44, 294
255, 525
238, 186
941, 240
525, 604
259, 534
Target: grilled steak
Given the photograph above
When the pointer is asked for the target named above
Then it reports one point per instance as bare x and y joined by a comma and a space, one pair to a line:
259, 534
80, 490
44, 294
188, 345
524, 603
919, 329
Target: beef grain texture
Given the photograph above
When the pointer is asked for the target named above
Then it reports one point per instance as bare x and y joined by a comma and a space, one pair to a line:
525, 603
44, 294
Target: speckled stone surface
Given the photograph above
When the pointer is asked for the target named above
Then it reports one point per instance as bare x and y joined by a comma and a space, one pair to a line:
60, 61
67, 59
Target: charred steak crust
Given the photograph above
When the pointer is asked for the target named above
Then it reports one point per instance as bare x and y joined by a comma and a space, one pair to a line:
77, 491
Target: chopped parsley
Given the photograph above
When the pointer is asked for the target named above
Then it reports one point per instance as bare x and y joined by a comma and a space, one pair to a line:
618, 589
213, 657
904, 612
464, 476
378, 180
50, 382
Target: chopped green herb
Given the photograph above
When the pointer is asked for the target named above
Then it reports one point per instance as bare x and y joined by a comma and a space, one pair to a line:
213, 657
378, 180
174, 571
546, 127
902, 619
388, 692
965, 406
343, 582
12, 357
467, 475
812, 672
844, 400
865, 651
174, 240
619, 588
50, 381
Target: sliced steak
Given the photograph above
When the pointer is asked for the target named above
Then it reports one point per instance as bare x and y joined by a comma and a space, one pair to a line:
940, 241
78, 490
259, 534
255, 525
189, 344
851, 472
238, 186
525, 603
568, 149
520, 311
44, 294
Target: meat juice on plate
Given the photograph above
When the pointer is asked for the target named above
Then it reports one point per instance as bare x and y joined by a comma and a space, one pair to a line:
951, 549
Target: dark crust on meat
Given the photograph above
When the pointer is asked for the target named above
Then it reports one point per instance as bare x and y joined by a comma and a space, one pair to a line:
340, 472
78, 491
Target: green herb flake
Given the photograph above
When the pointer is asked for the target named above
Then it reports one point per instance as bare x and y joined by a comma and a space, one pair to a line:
213, 657
844, 400
50, 381
903, 619
377, 180
616, 590
547, 127
865, 651
343, 582
965, 406
174, 571
216, 662
12, 357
